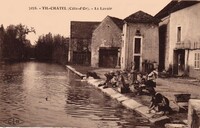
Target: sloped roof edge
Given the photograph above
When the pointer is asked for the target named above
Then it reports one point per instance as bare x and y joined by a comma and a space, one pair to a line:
174, 6
117, 21
141, 17
82, 29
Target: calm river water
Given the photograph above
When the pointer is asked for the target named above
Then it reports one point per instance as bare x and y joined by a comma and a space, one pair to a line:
41, 94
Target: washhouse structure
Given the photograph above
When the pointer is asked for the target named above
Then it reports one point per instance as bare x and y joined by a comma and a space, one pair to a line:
140, 42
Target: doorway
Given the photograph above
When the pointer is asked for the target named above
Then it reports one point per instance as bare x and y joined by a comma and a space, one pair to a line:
162, 46
108, 57
179, 62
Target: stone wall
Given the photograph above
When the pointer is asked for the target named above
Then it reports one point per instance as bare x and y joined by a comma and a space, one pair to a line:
165, 43
188, 19
194, 113
107, 34
150, 42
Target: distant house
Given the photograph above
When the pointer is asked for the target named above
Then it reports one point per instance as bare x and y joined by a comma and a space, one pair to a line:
140, 41
180, 37
80, 42
106, 43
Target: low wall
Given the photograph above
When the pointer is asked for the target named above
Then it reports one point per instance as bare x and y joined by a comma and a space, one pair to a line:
194, 113
124, 100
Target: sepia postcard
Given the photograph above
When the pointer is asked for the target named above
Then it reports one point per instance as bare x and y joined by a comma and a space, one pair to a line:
99, 63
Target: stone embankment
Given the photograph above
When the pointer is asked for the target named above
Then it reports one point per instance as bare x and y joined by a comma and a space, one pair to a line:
124, 100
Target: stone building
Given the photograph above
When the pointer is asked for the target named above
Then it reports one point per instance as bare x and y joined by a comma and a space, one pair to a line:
106, 43
140, 41
180, 37
80, 42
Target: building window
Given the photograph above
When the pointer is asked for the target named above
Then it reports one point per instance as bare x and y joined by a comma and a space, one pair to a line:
179, 34
137, 52
137, 49
197, 60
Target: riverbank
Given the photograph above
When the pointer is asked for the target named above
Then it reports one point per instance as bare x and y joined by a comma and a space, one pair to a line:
167, 86
124, 99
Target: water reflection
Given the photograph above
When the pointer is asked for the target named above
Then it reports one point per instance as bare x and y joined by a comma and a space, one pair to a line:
43, 94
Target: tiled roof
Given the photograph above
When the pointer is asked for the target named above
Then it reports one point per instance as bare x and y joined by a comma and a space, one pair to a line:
174, 6
82, 29
141, 17
117, 21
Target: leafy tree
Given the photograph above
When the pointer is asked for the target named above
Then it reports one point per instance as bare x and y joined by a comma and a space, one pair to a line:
53, 48
15, 45
44, 47
60, 49
2, 33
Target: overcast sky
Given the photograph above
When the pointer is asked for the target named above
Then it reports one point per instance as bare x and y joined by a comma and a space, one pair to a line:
58, 21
